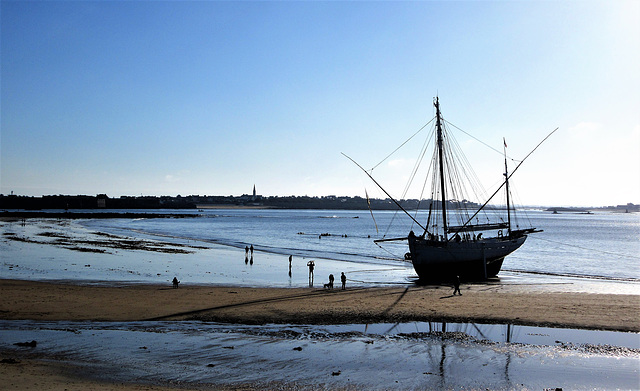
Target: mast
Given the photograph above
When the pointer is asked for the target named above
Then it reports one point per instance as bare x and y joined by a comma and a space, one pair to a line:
506, 183
440, 158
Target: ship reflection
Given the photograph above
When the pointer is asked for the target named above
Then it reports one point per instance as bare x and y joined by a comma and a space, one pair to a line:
447, 355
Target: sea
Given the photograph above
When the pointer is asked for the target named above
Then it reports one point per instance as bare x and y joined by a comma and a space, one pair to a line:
598, 245
594, 247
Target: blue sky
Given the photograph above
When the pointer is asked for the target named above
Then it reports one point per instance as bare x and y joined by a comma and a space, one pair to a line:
167, 98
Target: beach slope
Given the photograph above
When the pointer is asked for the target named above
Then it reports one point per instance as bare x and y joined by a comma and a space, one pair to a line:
479, 304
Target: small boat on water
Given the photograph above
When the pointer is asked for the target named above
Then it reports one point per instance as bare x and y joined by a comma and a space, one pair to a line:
459, 238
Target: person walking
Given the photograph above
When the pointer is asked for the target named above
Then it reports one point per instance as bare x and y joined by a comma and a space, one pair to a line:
343, 278
456, 286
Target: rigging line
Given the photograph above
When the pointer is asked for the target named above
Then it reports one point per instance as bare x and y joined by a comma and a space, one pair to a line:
401, 145
590, 249
369, 205
416, 168
480, 141
477, 190
505, 181
394, 255
395, 214
424, 187
385, 192
519, 214
461, 174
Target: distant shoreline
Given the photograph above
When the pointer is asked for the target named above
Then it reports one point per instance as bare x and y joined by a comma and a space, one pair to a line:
90, 215
174, 213
103, 202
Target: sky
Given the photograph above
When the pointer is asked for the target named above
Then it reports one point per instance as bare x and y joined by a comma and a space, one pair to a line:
210, 98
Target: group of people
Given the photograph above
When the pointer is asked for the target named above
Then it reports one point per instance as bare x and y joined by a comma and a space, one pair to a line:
312, 265
466, 237
246, 254
343, 279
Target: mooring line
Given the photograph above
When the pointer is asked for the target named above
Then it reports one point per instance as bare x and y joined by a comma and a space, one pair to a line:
589, 249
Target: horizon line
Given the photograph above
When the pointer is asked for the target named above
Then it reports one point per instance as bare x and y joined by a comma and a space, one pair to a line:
286, 196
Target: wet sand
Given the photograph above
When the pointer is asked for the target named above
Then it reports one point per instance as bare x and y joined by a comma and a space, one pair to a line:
480, 303
55, 376
46, 375
58, 376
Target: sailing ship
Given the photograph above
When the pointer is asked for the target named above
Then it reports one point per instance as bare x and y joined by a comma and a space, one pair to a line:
454, 241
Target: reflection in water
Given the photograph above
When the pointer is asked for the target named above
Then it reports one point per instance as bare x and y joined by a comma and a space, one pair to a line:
442, 331
377, 356
443, 357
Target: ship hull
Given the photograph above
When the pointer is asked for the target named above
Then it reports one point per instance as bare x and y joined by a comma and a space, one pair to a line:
471, 260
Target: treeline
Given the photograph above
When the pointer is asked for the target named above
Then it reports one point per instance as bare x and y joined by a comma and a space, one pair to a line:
102, 201
354, 203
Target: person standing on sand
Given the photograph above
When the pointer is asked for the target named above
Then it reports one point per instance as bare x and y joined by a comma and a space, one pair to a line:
175, 282
311, 265
456, 286
251, 248
290, 259
343, 278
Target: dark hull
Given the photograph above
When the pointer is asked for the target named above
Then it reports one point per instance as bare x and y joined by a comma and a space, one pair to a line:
471, 260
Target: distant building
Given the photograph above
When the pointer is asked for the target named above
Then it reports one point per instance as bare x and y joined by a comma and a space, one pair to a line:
101, 201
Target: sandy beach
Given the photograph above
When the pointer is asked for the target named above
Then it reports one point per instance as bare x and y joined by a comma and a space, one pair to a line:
479, 303
482, 303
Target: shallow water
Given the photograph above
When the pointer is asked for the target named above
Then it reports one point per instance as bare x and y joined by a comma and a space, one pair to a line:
605, 245
384, 356
41, 256
209, 263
